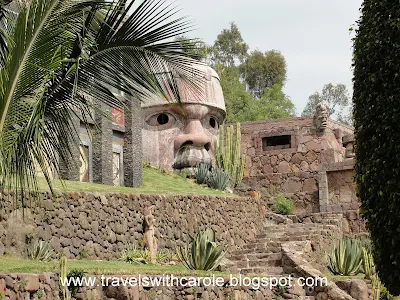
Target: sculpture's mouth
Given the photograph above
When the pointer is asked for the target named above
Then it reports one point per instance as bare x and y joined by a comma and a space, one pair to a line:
190, 156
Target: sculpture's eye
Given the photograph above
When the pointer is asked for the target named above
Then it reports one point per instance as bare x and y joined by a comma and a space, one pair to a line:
213, 123
162, 120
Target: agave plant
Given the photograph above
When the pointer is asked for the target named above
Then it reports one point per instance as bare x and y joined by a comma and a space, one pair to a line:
56, 55
202, 252
134, 255
346, 258
218, 179
201, 172
40, 250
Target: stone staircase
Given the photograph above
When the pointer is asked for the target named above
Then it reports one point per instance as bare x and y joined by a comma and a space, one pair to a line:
264, 254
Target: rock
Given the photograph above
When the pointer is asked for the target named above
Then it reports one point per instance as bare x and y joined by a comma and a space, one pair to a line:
310, 185
359, 289
30, 283
321, 296
117, 292
284, 167
297, 158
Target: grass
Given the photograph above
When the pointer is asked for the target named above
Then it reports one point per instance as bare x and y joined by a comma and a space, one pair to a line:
11, 264
154, 182
335, 278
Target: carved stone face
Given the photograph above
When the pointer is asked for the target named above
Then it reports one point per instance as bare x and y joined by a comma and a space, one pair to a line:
321, 117
180, 137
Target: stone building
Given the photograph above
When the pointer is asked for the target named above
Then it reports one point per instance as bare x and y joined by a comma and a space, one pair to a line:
110, 148
309, 159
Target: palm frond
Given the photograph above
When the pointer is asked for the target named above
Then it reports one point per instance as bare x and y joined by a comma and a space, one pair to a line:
64, 51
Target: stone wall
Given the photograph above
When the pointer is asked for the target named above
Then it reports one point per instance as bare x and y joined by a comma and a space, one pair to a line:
101, 225
46, 286
308, 150
301, 187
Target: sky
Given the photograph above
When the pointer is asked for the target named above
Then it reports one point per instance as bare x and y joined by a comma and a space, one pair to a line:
312, 35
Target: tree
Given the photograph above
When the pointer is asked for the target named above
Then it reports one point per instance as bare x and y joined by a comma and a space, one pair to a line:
376, 112
195, 47
54, 53
229, 49
263, 70
225, 55
336, 99
237, 98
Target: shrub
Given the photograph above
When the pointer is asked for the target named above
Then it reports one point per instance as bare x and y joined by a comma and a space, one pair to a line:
376, 121
218, 179
40, 250
164, 256
202, 172
73, 286
202, 252
345, 258
282, 205
133, 255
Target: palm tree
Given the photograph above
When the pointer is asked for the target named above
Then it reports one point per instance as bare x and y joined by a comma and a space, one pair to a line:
55, 52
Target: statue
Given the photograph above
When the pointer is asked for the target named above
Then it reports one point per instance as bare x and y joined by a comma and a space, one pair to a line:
149, 239
178, 137
320, 117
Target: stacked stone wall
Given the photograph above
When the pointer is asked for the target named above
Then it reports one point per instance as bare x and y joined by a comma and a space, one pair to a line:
101, 225
46, 286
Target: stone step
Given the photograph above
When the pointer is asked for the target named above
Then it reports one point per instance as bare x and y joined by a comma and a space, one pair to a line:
264, 263
270, 271
256, 256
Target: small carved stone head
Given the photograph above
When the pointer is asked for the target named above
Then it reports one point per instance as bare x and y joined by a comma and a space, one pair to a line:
321, 117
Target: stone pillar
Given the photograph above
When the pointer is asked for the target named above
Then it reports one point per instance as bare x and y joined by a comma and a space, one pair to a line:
102, 147
69, 170
323, 191
132, 155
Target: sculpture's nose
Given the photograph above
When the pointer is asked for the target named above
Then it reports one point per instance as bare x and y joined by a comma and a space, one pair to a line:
193, 134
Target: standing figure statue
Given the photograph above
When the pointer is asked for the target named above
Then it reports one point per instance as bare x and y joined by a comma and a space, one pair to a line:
149, 239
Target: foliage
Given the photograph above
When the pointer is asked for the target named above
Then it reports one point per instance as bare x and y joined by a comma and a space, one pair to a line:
133, 255
201, 173
336, 99
74, 273
40, 250
282, 205
229, 48
227, 154
263, 70
265, 74
203, 253
345, 258
237, 98
376, 121
218, 179
60, 55
195, 47
165, 256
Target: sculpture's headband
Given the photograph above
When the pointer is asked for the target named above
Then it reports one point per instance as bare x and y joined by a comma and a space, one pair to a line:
210, 91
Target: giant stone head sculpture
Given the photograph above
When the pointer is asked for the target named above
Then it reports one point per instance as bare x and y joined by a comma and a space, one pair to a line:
178, 137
